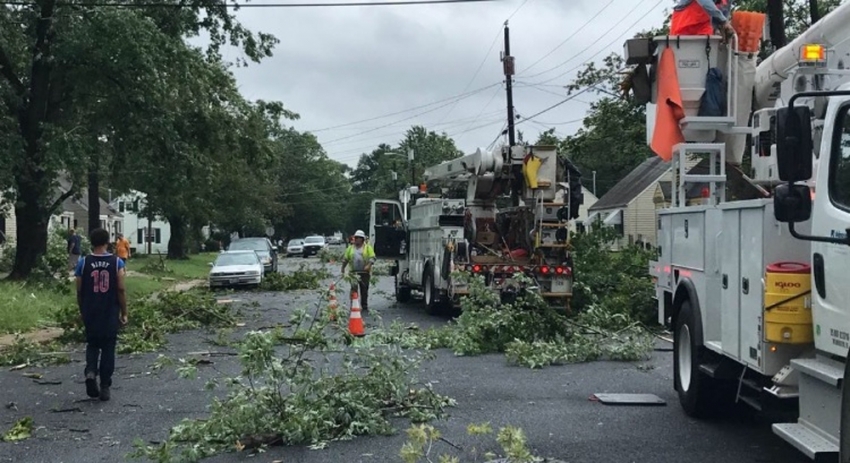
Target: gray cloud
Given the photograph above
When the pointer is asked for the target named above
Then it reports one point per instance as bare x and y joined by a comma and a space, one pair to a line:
339, 65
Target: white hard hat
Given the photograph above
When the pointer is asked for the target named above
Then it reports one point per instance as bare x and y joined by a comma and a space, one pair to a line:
360, 234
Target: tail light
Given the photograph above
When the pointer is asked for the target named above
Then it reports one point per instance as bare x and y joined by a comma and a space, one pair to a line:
476, 268
558, 270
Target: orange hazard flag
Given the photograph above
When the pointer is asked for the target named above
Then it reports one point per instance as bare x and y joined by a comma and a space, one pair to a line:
669, 110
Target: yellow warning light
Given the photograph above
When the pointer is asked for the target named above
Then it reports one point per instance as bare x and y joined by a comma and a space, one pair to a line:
812, 52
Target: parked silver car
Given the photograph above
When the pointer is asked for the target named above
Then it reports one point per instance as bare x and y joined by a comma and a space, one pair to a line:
294, 247
266, 251
236, 268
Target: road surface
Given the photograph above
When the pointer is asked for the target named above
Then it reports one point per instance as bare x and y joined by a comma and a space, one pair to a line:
551, 405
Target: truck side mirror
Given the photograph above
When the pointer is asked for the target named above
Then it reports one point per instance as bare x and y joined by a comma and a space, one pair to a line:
794, 143
792, 203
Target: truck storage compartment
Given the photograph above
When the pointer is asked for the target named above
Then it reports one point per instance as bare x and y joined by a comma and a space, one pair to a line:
751, 240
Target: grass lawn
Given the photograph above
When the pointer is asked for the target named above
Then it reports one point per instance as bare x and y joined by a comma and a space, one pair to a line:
24, 307
196, 267
27, 306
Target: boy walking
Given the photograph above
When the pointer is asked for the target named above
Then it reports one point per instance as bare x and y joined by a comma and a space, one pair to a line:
103, 307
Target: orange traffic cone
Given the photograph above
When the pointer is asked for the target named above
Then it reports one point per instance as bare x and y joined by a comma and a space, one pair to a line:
332, 303
355, 320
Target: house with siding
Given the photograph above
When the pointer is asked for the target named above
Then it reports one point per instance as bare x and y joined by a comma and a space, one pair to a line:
146, 235
73, 212
630, 206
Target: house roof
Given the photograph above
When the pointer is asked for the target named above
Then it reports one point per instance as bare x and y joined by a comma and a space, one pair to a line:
627, 189
65, 185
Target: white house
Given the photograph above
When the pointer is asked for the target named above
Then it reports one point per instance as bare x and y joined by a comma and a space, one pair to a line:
146, 235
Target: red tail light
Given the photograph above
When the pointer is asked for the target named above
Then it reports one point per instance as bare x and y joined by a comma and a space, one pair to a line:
544, 269
476, 268
559, 270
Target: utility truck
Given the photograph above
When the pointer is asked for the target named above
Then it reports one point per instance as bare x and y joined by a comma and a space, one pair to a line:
453, 223
734, 273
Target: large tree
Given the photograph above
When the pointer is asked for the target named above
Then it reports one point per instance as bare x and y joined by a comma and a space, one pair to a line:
54, 57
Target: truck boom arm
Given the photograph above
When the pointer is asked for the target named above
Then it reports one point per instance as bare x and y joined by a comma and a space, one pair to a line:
830, 31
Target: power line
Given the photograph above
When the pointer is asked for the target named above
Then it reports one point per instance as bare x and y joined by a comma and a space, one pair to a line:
391, 124
555, 105
486, 55
461, 96
254, 5
611, 29
489, 102
586, 23
480, 66
648, 11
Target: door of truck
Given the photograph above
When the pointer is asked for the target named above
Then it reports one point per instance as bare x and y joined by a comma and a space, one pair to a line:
831, 217
387, 229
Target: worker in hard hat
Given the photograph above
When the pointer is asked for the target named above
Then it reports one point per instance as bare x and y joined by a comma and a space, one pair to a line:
361, 256
701, 17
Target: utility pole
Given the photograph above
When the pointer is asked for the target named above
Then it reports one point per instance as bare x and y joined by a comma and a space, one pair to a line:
509, 68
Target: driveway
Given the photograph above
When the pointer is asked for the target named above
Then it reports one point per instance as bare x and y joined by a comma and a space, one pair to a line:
551, 405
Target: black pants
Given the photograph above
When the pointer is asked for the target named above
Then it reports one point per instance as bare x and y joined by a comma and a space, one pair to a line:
362, 287
102, 347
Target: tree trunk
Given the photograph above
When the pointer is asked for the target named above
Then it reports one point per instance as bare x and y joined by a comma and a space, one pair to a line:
94, 196
31, 230
776, 18
177, 241
814, 11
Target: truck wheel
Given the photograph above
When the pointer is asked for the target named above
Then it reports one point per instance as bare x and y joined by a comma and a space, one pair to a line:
844, 433
432, 307
402, 293
693, 386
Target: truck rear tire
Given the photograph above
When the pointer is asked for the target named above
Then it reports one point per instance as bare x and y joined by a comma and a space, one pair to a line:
402, 293
697, 393
432, 305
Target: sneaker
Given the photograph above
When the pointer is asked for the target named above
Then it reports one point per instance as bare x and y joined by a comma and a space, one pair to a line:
91, 385
104, 393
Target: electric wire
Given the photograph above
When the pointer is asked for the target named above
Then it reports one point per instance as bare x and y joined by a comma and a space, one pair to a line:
610, 30
251, 5
586, 23
396, 113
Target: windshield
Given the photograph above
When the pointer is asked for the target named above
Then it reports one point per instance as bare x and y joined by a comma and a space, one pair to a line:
239, 258
249, 245
315, 239
295, 242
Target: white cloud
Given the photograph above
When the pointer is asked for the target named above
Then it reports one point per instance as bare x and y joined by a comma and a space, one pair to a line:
339, 65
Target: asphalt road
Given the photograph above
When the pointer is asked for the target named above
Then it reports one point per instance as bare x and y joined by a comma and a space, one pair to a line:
551, 405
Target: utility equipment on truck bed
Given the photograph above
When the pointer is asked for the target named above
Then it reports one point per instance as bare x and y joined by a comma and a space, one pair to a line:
453, 223
759, 307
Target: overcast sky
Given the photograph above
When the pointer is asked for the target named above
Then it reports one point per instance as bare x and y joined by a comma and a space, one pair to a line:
341, 65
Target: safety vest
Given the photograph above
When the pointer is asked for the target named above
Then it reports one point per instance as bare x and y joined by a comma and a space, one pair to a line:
693, 20
368, 252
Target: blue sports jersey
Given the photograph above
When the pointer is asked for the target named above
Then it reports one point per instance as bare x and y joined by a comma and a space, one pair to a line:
99, 290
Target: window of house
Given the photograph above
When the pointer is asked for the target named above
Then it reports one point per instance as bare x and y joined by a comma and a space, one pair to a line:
140, 236
839, 178
619, 229
75, 223
157, 236
580, 228
120, 206
136, 206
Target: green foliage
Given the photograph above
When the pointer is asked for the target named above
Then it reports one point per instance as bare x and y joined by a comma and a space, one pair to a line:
303, 278
22, 429
28, 305
151, 319
300, 396
422, 438
529, 331
26, 352
616, 283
